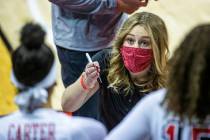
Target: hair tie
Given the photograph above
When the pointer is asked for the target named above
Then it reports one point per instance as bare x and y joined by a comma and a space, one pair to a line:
31, 99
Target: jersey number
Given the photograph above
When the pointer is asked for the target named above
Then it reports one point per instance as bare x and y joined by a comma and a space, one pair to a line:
197, 133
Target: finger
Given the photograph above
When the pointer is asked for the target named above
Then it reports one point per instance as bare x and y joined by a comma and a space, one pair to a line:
93, 75
98, 69
144, 3
96, 63
92, 64
87, 66
90, 70
87, 72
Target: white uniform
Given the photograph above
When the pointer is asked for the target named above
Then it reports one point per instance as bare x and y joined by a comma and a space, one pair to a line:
47, 124
149, 121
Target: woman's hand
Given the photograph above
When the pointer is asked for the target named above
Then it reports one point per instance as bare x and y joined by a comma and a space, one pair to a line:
91, 74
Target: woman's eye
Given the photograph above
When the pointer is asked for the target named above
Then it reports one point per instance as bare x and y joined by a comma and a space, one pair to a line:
144, 43
130, 41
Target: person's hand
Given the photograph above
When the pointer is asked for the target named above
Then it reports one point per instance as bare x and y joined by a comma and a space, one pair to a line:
129, 6
91, 74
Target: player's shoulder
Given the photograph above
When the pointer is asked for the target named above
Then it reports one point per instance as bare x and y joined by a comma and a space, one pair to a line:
155, 97
158, 94
10, 116
81, 128
61, 117
85, 122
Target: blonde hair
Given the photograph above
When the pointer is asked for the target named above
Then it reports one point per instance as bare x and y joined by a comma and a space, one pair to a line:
118, 76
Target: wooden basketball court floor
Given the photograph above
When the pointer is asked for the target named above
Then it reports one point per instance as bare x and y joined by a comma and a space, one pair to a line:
179, 15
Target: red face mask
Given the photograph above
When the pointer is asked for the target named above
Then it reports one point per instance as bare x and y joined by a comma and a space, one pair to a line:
136, 59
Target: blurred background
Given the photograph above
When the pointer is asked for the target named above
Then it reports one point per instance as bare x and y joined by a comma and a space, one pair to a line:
180, 16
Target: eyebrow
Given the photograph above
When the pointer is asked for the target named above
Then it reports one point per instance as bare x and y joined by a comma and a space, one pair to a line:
145, 37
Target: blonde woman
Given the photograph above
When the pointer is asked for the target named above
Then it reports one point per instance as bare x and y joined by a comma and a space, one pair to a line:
134, 67
180, 111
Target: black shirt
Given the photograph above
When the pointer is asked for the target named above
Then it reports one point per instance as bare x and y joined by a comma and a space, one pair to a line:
113, 106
